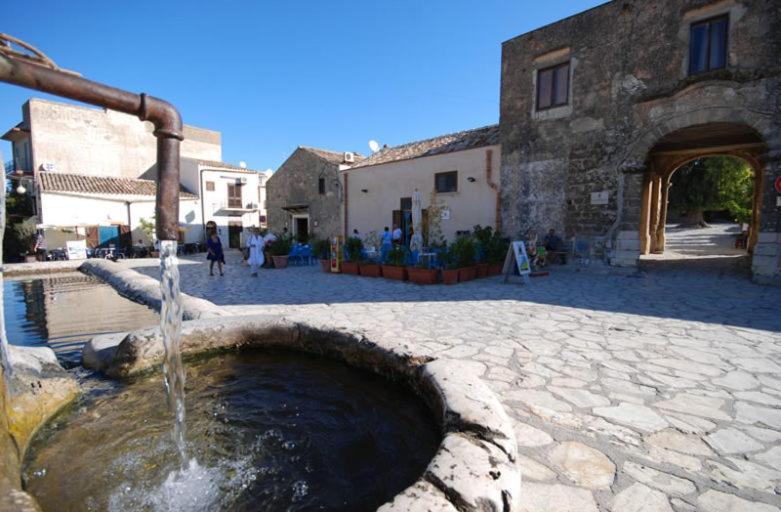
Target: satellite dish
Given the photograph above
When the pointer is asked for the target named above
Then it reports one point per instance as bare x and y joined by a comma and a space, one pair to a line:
243, 164
374, 146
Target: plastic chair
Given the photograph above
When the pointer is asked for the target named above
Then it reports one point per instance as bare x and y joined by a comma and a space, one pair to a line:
306, 255
583, 252
295, 255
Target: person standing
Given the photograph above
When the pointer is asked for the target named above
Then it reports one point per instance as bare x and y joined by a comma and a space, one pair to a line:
268, 239
397, 235
256, 245
214, 253
387, 243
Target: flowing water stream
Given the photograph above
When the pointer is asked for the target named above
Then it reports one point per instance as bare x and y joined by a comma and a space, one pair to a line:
171, 328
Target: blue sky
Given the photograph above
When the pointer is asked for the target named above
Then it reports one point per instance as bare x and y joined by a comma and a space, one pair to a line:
273, 75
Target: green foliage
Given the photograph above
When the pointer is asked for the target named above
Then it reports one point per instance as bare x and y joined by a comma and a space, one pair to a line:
19, 239
482, 235
321, 249
352, 249
281, 246
714, 183
147, 226
397, 256
18, 205
371, 240
462, 252
432, 235
496, 250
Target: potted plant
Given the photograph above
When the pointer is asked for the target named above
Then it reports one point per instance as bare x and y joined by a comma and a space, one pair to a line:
450, 267
422, 274
495, 254
321, 249
369, 268
353, 247
463, 250
279, 250
394, 267
483, 236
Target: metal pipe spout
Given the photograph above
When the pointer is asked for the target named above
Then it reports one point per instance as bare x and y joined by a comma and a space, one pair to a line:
40, 73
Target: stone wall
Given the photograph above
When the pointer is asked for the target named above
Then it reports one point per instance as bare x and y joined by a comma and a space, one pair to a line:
296, 183
629, 87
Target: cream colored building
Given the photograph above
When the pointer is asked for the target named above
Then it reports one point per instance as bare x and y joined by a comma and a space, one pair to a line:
74, 139
459, 172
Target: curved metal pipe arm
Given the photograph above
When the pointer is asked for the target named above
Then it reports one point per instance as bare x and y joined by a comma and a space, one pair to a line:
26, 72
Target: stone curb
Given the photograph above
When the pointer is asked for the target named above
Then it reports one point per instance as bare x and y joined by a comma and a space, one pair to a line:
146, 290
38, 388
40, 267
474, 468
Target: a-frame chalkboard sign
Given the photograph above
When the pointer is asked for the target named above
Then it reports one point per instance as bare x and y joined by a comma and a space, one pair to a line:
517, 258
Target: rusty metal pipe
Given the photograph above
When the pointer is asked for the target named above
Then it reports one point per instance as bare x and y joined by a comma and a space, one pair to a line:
163, 115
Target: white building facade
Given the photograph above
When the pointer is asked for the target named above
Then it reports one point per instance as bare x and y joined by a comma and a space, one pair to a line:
94, 171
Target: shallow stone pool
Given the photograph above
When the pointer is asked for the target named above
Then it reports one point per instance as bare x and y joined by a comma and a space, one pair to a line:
64, 310
265, 431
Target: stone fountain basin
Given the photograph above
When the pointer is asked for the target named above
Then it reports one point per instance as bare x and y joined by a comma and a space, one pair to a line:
474, 467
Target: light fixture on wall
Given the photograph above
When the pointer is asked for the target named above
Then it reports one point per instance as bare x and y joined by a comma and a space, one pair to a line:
471, 179
21, 190
365, 190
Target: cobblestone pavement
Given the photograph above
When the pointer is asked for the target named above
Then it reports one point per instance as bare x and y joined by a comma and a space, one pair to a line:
654, 391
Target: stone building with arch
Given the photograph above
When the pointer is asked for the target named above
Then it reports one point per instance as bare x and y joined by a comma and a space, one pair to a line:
599, 109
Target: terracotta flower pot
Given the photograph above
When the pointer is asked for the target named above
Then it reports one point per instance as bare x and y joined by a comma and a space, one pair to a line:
494, 269
422, 275
450, 276
279, 261
482, 270
393, 272
467, 274
350, 267
369, 269
325, 265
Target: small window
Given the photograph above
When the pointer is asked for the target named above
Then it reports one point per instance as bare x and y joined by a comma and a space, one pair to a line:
210, 186
321, 185
234, 196
446, 181
553, 86
708, 45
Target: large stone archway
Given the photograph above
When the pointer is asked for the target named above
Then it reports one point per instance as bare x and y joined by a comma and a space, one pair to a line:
674, 139
682, 146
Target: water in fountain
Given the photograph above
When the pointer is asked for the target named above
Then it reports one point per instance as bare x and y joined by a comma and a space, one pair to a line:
171, 328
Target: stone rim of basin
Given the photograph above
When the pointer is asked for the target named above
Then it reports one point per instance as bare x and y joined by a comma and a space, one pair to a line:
474, 466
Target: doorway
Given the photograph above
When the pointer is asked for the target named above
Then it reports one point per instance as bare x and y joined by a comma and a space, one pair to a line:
234, 234
702, 199
301, 228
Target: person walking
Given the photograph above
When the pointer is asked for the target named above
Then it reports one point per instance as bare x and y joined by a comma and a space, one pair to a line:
256, 244
214, 253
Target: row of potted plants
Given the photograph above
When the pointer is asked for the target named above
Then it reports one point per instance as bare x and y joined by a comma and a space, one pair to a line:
473, 256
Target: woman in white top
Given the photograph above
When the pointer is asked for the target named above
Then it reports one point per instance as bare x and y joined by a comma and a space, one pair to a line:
255, 244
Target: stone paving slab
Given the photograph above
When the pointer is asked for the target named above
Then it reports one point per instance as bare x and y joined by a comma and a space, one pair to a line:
654, 388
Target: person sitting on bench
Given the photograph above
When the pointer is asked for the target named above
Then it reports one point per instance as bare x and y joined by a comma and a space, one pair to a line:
554, 247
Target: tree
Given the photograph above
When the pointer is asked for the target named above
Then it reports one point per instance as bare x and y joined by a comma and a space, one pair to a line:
712, 183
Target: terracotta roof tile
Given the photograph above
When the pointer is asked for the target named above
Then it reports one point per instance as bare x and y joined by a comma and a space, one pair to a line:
223, 165
468, 139
103, 185
335, 157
